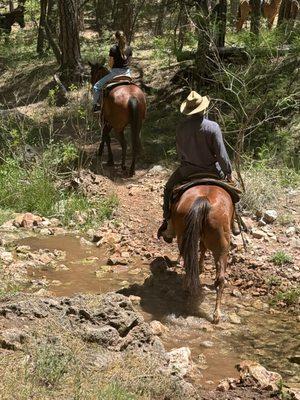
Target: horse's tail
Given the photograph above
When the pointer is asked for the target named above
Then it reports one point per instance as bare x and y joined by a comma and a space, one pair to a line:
135, 123
189, 249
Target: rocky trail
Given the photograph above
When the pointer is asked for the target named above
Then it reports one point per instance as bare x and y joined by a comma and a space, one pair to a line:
66, 274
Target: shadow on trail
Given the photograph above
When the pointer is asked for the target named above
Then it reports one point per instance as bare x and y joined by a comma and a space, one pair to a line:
162, 294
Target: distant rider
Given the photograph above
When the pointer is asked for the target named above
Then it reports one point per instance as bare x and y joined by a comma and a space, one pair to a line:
119, 61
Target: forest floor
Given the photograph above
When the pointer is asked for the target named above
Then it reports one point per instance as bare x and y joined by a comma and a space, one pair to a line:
64, 342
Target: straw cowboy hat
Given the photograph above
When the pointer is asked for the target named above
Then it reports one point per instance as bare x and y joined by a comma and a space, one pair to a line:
194, 103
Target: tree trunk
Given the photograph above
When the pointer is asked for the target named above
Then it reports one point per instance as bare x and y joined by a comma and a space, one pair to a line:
123, 17
41, 31
159, 24
234, 8
255, 16
70, 67
221, 13
202, 26
11, 6
288, 11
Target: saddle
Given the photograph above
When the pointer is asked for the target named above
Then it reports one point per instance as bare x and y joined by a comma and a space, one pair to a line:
119, 80
204, 179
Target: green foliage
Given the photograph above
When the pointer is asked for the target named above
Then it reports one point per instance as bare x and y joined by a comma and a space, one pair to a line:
26, 190
281, 258
92, 210
9, 288
288, 298
265, 183
116, 392
38, 188
50, 364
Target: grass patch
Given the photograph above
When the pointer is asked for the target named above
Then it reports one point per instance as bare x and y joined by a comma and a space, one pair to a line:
116, 392
39, 188
288, 298
281, 258
87, 211
265, 184
62, 369
50, 364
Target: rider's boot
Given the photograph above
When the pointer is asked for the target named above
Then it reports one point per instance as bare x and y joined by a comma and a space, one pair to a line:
235, 228
166, 231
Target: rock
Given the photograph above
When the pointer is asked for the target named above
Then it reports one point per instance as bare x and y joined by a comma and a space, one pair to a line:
264, 378
294, 393
258, 234
234, 319
295, 359
85, 242
135, 299
23, 249
270, 216
45, 258
291, 231
236, 293
106, 336
223, 386
27, 220
261, 222
6, 257
207, 344
46, 231
117, 260
158, 328
55, 222
157, 169
11, 339
180, 361
94, 236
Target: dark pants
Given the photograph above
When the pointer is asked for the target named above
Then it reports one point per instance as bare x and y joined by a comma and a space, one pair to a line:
179, 175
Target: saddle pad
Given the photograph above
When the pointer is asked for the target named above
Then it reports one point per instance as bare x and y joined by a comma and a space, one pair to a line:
234, 191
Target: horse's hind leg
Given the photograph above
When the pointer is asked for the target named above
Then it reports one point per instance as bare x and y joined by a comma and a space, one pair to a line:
106, 140
221, 264
123, 142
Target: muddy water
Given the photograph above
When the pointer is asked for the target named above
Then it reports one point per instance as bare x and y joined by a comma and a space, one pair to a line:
269, 339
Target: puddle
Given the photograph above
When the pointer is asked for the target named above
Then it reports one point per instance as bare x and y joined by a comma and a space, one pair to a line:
269, 339
82, 262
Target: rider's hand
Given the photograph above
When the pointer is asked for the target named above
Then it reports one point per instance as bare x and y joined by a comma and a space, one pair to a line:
229, 178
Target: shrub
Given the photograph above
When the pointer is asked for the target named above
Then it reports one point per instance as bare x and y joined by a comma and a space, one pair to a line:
280, 258
50, 364
289, 298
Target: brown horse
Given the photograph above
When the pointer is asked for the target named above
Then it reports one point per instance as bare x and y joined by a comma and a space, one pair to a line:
8, 19
202, 218
124, 104
269, 11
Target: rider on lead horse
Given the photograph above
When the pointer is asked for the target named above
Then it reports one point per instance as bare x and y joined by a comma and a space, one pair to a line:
119, 61
201, 150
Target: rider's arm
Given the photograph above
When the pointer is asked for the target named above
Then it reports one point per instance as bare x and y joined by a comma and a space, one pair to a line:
220, 151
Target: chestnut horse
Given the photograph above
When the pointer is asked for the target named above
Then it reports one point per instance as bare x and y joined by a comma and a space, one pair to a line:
8, 19
124, 104
202, 220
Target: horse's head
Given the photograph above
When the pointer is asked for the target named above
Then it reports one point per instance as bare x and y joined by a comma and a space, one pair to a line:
98, 71
19, 16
